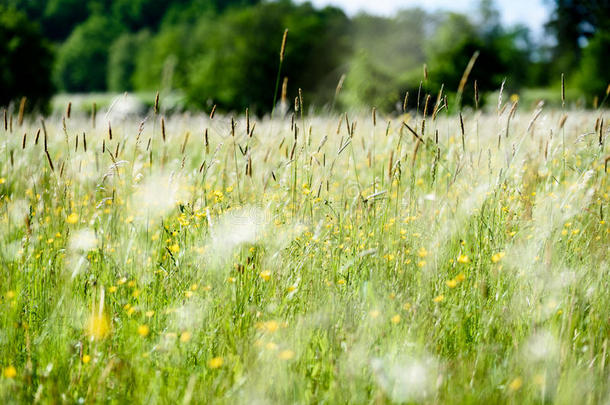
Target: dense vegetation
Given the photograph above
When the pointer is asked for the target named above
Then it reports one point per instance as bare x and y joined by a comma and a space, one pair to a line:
419, 253
308, 259
226, 52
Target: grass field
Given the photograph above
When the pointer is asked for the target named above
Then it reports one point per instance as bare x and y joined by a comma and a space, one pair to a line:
306, 259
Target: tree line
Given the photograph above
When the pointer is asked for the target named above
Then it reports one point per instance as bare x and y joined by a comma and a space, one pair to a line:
226, 52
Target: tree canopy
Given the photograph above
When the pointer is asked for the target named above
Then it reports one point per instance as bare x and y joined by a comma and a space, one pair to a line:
226, 52
25, 60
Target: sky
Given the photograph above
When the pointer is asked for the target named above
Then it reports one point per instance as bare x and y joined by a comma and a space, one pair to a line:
532, 13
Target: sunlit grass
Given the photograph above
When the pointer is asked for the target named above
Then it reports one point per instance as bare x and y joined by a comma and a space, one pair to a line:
322, 259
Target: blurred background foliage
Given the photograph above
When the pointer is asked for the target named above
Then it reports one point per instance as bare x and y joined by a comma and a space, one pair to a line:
226, 52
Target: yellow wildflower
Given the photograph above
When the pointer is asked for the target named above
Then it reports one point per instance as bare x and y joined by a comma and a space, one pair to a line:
9, 372
286, 354
216, 362
143, 330
516, 384
72, 218
265, 275
463, 259
98, 327
422, 252
497, 257
185, 336
451, 283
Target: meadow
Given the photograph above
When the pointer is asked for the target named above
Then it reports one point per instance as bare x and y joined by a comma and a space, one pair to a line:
426, 257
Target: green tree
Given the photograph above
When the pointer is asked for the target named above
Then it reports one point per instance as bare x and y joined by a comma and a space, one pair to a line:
501, 54
594, 73
82, 60
25, 60
572, 22
389, 54
233, 58
61, 16
163, 63
121, 61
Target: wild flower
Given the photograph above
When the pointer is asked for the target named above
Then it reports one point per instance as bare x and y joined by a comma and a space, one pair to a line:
215, 362
143, 330
9, 372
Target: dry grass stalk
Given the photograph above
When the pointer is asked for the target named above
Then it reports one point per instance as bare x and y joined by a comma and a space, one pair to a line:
562, 121
500, 110
537, 113
301, 101
340, 85
186, 139
462, 131
511, 113
284, 90
44, 130
249, 166
465, 75
437, 105
415, 150
163, 128
21, 110
413, 132
207, 142
49, 160
476, 94
283, 48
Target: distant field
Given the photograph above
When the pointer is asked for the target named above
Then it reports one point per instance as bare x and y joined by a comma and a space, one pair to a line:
174, 101
306, 259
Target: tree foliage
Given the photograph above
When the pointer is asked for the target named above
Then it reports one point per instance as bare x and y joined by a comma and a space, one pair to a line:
594, 74
572, 22
25, 60
233, 59
226, 51
122, 61
82, 60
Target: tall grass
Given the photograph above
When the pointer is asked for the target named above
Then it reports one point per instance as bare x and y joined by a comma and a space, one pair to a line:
425, 263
